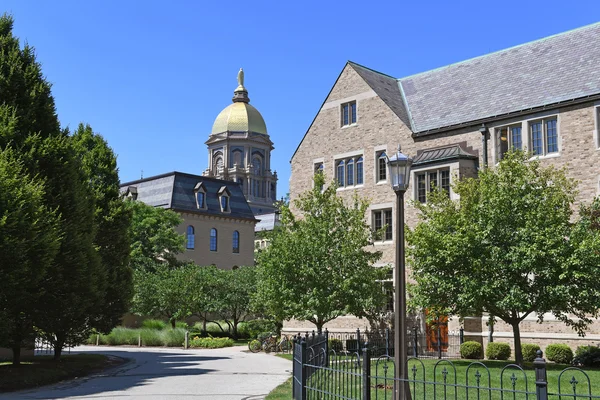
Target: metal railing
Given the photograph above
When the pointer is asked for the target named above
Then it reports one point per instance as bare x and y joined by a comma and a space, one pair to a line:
359, 375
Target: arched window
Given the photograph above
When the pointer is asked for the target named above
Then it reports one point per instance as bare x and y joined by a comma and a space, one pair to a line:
190, 238
237, 158
218, 164
340, 173
359, 171
382, 167
236, 242
213, 239
256, 166
350, 172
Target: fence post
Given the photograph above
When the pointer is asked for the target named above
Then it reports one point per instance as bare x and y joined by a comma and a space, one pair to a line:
97, 339
303, 370
387, 342
326, 347
358, 346
187, 340
415, 342
461, 335
439, 341
366, 373
541, 381
140, 340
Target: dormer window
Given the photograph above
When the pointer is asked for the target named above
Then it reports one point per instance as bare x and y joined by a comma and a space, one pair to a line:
224, 196
200, 194
131, 193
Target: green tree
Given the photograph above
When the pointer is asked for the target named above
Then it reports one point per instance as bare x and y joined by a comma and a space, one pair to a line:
154, 239
112, 219
317, 267
76, 281
236, 288
504, 249
29, 240
205, 298
165, 290
29, 124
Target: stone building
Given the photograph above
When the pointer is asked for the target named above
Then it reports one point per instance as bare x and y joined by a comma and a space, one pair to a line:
542, 97
218, 223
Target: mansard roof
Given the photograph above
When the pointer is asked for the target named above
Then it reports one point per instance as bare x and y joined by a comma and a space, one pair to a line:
534, 75
175, 190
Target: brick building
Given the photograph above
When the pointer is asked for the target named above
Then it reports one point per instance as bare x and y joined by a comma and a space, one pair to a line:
541, 96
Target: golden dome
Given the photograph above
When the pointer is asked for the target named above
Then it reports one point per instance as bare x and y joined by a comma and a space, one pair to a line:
239, 117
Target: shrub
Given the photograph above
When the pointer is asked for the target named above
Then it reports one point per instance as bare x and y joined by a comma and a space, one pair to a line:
121, 336
587, 356
256, 326
210, 343
529, 351
156, 324
471, 350
173, 337
559, 353
336, 345
181, 325
497, 351
151, 337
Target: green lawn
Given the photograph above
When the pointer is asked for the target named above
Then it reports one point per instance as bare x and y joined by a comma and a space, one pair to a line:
43, 370
348, 384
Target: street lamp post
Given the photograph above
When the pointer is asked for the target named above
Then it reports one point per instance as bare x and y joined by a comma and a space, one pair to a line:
399, 172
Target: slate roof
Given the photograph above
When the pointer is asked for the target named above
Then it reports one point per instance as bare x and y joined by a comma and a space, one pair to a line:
175, 190
442, 154
548, 71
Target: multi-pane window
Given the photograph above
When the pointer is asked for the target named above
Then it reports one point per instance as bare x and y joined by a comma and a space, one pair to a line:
544, 136
349, 172
428, 181
213, 239
381, 219
388, 288
509, 137
349, 113
236, 242
381, 167
190, 238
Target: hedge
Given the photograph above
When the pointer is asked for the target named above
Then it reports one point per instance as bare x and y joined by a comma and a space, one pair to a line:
497, 351
471, 350
529, 351
559, 353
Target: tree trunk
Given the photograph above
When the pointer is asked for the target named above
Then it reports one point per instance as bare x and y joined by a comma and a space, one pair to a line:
234, 330
319, 325
173, 322
58, 346
517, 337
204, 326
16, 351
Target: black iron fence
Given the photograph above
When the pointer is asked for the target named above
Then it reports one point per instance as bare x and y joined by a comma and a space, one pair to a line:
320, 372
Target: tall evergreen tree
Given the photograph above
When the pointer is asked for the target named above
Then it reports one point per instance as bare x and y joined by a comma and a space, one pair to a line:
29, 240
112, 219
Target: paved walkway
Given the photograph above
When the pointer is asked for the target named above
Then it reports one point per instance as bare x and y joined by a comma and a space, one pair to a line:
159, 373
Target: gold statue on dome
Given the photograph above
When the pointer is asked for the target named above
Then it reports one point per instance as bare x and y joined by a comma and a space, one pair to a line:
240, 78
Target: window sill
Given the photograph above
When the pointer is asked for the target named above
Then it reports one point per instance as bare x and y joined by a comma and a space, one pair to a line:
350, 187
349, 126
551, 155
383, 242
382, 182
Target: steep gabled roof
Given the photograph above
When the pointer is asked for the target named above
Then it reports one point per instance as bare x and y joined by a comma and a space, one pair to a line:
547, 71
386, 87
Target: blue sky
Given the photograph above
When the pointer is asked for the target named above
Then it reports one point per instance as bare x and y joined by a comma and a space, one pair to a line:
151, 76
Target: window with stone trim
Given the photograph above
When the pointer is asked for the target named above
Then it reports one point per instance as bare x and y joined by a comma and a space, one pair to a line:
508, 138
349, 171
319, 170
543, 136
382, 219
381, 165
349, 113
428, 181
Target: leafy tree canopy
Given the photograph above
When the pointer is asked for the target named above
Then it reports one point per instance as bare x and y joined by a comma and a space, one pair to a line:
506, 248
318, 267
153, 236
